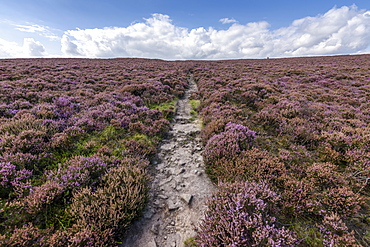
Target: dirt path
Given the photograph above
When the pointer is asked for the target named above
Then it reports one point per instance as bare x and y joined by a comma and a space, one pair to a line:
179, 189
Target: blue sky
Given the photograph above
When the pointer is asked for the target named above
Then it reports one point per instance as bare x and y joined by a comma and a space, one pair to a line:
192, 29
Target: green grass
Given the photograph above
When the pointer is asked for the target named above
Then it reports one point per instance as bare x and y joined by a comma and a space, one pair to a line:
194, 108
190, 242
167, 108
164, 106
194, 103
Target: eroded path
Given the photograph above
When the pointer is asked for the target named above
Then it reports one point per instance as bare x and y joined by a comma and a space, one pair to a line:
180, 187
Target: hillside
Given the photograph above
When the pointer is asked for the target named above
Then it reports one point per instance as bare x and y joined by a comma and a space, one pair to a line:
286, 142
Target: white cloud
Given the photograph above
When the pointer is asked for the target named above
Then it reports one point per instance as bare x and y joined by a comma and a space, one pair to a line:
30, 48
9, 49
157, 37
68, 47
227, 20
33, 48
340, 30
44, 31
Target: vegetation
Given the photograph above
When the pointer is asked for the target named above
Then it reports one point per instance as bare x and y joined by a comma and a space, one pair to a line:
298, 127
76, 137
286, 140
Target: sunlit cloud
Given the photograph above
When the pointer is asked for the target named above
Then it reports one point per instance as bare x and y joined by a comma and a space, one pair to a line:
344, 30
33, 48
340, 30
30, 48
9, 49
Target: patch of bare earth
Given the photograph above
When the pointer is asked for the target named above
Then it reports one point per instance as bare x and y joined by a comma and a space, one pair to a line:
180, 187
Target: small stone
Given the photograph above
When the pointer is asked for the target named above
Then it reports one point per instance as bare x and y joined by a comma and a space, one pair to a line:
183, 163
152, 243
164, 197
173, 185
187, 198
156, 203
182, 170
197, 172
172, 205
172, 223
165, 181
155, 229
148, 214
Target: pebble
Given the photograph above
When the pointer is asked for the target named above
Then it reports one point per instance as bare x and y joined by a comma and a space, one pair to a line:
164, 197
197, 172
172, 205
187, 198
165, 181
155, 229
148, 214
152, 243
182, 170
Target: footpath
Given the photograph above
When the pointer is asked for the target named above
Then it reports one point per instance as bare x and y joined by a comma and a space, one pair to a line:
179, 189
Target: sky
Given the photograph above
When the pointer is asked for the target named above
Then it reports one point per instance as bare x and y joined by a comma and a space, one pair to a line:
180, 30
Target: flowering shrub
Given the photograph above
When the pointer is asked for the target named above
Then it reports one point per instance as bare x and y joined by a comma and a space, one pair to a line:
299, 125
230, 143
311, 136
76, 130
113, 205
242, 214
336, 232
13, 180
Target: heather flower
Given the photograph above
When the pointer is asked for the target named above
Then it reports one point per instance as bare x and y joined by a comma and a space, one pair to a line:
230, 143
78, 171
241, 214
112, 206
13, 179
42, 195
27, 235
335, 232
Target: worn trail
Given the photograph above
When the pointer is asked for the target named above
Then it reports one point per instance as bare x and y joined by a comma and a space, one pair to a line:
180, 187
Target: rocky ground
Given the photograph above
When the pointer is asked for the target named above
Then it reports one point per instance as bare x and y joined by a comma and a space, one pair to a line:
179, 188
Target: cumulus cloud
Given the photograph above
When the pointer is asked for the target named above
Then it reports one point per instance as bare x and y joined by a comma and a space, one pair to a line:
9, 49
30, 48
340, 30
227, 20
157, 37
33, 48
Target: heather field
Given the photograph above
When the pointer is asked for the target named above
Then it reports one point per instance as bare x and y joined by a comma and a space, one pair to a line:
287, 141
75, 141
